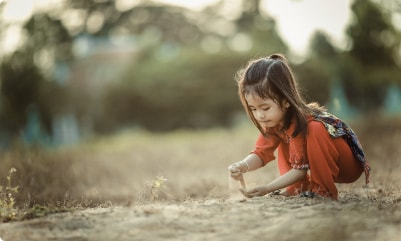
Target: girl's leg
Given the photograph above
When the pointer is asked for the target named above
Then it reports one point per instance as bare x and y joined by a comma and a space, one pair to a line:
350, 167
284, 166
322, 156
330, 160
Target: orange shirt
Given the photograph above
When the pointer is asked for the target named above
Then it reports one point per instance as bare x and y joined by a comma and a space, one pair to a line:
296, 146
265, 146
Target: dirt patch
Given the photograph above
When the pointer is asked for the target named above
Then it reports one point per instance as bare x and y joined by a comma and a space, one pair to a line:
268, 218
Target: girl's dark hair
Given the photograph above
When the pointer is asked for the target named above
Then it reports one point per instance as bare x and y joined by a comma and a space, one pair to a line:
271, 77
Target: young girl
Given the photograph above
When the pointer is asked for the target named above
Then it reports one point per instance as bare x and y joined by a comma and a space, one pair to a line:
315, 148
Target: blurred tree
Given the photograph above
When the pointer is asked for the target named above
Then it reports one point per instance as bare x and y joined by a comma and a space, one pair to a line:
193, 88
374, 39
20, 81
26, 75
48, 38
318, 72
3, 128
193, 91
182, 67
261, 28
322, 48
105, 18
373, 59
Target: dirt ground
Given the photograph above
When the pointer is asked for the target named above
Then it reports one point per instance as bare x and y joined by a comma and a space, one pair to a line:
353, 217
195, 203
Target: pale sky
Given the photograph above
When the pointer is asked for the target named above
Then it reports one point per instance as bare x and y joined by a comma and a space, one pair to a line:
296, 19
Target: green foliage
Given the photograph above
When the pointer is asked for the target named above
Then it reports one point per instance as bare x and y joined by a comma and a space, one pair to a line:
26, 79
20, 81
365, 71
374, 39
157, 186
48, 35
318, 72
43, 186
8, 210
193, 90
313, 82
171, 86
372, 63
172, 82
38, 169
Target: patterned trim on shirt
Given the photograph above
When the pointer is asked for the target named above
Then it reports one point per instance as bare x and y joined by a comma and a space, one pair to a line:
300, 167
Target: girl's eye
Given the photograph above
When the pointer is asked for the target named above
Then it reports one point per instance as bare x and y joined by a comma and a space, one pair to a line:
267, 108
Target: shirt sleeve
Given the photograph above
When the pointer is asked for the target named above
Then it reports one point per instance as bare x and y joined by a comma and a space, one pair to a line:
265, 147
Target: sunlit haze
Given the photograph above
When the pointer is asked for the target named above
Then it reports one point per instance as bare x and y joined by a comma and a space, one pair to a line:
194, 4
296, 19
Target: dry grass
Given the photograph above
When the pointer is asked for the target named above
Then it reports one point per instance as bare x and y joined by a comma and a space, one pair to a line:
122, 168
127, 168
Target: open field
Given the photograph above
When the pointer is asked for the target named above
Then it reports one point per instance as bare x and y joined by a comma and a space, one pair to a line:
143, 186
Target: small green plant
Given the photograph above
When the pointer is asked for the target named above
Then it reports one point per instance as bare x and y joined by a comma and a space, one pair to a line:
154, 188
7, 201
157, 186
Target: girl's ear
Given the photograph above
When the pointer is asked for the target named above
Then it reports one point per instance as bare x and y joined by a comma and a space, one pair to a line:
286, 104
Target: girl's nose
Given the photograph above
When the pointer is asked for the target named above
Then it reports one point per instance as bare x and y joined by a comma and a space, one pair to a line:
261, 115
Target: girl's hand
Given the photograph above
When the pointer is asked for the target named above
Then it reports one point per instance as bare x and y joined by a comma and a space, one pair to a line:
257, 191
237, 169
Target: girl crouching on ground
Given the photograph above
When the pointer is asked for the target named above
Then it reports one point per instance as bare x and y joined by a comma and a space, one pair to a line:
315, 148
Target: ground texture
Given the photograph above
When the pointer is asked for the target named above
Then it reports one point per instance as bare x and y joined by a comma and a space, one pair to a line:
264, 218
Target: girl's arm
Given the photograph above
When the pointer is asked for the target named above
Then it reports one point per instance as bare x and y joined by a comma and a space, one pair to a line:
250, 163
291, 177
253, 162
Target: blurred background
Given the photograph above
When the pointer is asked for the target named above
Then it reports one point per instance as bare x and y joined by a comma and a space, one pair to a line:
72, 69
106, 99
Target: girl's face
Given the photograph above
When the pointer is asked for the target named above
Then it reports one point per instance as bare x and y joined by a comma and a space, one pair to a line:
267, 112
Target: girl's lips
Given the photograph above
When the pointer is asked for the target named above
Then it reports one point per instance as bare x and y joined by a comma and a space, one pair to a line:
265, 124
